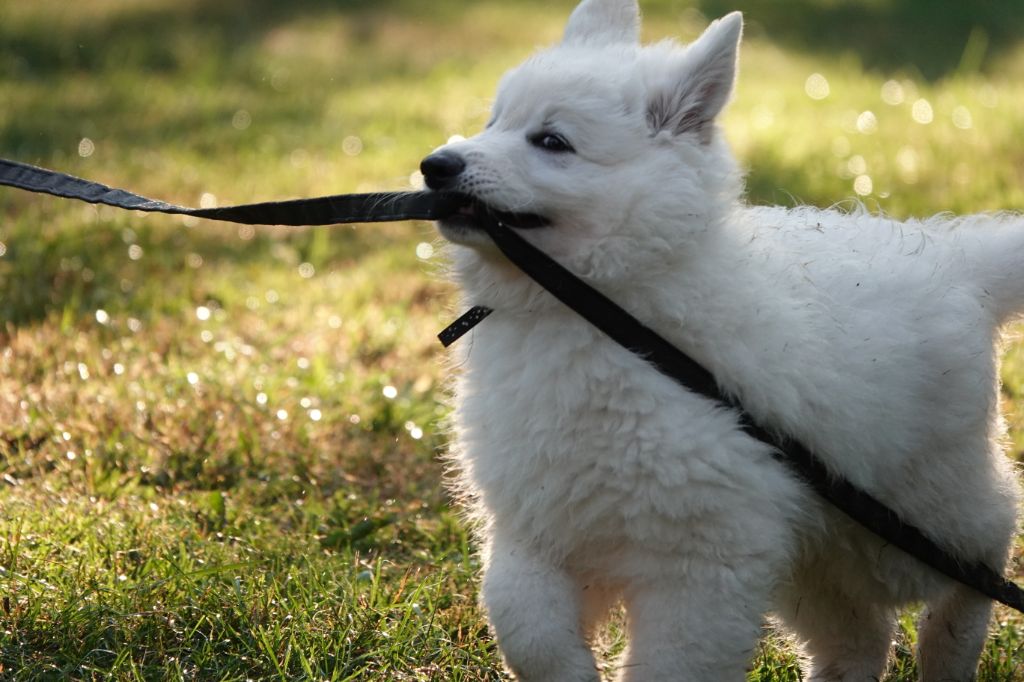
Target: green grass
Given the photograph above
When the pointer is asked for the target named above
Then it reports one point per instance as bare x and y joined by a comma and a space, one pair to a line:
219, 445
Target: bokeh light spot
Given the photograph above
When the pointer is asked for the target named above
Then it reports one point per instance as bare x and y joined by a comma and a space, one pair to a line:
863, 185
962, 118
892, 93
922, 112
817, 86
352, 146
241, 120
867, 123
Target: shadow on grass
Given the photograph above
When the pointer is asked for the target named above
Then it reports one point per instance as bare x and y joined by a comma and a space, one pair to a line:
141, 36
155, 36
936, 38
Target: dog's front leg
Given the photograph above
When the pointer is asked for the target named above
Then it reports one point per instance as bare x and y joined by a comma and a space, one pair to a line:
535, 611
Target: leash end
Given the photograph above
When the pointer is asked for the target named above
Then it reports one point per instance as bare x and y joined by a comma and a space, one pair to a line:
460, 327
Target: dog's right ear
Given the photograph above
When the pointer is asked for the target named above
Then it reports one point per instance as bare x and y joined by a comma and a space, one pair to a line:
599, 23
696, 86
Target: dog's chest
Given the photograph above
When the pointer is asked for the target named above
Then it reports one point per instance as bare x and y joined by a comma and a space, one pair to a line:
576, 445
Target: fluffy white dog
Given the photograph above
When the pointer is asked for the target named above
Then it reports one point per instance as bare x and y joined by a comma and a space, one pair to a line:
596, 479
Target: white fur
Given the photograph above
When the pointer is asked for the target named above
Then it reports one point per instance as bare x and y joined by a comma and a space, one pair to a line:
596, 479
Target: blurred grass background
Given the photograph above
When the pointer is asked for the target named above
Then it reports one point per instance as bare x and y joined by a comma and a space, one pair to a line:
219, 444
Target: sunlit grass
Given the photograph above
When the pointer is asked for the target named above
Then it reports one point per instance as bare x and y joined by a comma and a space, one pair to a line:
219, 444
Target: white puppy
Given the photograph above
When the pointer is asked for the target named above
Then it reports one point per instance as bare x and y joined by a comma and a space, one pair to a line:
595, 479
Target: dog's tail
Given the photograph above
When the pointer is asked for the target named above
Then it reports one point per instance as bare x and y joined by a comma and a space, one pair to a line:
993, 250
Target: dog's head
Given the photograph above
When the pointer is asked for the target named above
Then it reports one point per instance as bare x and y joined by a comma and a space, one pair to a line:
606, 151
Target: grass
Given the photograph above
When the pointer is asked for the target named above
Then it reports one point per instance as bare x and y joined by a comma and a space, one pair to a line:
219, 445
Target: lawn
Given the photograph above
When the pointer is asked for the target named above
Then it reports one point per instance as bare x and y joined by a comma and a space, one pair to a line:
219, 445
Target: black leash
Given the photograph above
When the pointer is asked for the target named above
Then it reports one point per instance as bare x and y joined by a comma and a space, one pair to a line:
593, 306
380, 207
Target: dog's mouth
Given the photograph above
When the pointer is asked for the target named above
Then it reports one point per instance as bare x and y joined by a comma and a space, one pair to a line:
467, 211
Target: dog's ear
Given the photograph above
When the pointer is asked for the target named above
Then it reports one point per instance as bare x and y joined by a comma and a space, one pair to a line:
604, 22
699, 82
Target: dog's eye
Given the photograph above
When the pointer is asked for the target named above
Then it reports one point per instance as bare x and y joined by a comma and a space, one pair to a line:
551, 142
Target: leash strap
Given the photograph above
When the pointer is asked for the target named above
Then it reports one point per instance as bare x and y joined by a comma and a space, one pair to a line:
593, 306
333, 210
460, 327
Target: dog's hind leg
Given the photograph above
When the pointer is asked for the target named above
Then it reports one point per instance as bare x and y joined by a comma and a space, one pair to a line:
536, 612
952, 634
846, 639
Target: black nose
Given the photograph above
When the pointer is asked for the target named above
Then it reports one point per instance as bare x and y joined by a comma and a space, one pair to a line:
440, 169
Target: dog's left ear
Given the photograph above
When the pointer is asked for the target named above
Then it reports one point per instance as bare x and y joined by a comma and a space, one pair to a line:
598, 23
699, 83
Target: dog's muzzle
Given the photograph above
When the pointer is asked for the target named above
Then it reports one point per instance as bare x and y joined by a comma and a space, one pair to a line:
442, 171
